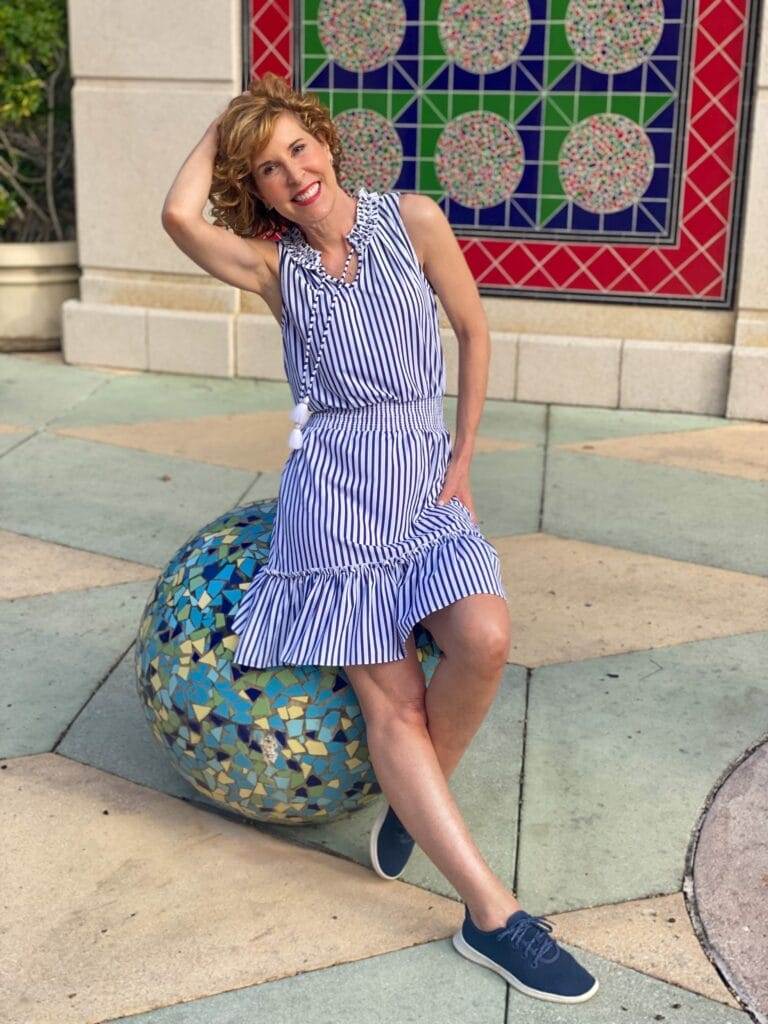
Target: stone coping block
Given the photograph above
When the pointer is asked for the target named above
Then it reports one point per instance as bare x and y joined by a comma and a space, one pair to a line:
568, 370
673, 376
191, 342
748, 394
99, 335
259, 347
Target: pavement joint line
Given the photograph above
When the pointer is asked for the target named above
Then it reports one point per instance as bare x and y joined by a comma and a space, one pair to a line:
544, 465
521, 784
99, 684
622, 346
84, 398
83, 551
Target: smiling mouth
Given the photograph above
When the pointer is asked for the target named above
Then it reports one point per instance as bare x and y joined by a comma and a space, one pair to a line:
308, 193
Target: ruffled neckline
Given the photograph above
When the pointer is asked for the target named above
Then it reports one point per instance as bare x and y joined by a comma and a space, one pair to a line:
360, 235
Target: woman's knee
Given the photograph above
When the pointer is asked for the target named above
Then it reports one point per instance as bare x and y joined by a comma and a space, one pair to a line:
392, 692
473, 631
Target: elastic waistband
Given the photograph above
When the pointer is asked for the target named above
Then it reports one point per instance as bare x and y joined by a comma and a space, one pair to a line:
426, 413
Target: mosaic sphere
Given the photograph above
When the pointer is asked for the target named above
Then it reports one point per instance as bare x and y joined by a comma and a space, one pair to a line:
283, 744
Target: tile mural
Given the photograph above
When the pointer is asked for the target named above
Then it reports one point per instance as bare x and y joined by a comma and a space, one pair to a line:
579, 148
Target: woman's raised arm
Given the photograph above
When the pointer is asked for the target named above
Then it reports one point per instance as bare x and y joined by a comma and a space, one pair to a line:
234, 259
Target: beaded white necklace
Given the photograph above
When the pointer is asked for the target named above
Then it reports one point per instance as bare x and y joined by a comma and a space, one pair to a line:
300, 413
366, 218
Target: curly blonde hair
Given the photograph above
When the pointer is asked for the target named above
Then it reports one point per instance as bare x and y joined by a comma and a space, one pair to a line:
244, 130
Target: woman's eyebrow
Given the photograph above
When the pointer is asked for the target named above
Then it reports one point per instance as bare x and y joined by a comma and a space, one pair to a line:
289, 146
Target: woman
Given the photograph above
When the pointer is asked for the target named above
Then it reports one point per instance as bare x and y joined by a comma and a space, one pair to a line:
375, 530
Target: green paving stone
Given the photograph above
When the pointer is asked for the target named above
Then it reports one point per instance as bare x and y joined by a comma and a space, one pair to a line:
485, 785
161, 396
9, 441
571, 424
691, 516
56, 650
433, 984
418, 985
524, 422
617, 770
34, 392
507, 487
112, 500
112, 734
266, 485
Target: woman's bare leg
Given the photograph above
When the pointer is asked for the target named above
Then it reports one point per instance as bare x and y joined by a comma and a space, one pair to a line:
392, 699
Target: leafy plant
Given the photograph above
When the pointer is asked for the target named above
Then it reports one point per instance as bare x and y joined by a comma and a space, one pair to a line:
36, 155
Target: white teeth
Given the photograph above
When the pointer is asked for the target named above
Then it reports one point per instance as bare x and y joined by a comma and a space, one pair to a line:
307, 193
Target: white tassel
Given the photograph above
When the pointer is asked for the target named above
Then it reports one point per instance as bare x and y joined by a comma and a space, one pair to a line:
300, 413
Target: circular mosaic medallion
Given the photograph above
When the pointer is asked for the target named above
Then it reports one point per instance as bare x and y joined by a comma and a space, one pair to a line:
606, 163
614, 35
479, 159
372, 151
361, 36
484, 35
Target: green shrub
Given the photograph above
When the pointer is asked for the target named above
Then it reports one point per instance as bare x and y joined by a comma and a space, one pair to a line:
36, 161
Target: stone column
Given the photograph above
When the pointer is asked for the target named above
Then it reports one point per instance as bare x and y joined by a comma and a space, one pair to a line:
148, 79
748, 391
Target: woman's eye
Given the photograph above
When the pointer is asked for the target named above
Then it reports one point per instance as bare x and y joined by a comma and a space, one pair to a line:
300, 146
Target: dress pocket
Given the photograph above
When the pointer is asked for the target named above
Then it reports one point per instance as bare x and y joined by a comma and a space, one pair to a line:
464, 508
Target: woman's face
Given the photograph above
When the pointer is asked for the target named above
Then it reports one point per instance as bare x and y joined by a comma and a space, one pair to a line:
294, 173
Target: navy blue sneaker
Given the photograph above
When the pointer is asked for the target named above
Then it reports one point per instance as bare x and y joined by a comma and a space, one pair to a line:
391, 844
524, 955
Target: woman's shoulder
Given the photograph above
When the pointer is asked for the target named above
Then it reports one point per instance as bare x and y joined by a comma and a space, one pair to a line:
418, 210
420, 215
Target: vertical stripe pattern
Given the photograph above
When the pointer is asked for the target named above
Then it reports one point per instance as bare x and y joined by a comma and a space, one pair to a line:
359, 551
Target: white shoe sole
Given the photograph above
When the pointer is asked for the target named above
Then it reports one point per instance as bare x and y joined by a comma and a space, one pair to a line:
463, 947
374, 842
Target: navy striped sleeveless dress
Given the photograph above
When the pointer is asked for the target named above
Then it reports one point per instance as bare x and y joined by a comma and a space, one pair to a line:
360, 552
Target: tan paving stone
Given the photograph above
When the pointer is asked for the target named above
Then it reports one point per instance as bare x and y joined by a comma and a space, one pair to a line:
740, 450
32, 566
654, 936
485, 444
570, 600
253, 441
158, 901
12, 428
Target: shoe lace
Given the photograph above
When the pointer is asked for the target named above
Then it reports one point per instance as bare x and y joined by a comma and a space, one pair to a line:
547, 952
